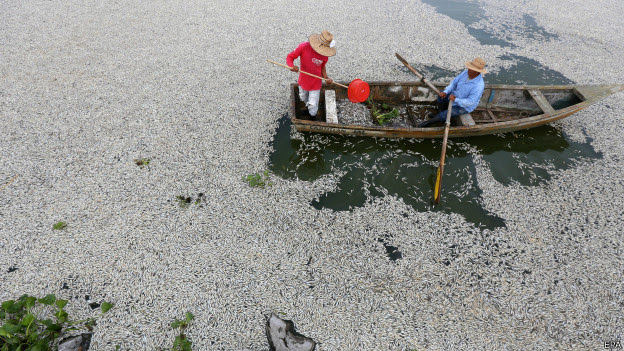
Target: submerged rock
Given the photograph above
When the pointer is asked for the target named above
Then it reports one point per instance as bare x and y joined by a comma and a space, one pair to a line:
282, 336
76, 343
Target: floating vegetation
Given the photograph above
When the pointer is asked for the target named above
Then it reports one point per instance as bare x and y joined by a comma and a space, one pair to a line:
186, 201
257, 180
181, 342
38, 324
142, 162
59, 226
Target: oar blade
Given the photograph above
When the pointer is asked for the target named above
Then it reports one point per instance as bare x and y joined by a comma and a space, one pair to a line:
438, 187
400, 58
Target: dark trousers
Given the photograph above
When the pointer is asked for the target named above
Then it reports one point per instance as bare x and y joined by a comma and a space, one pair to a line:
443, 108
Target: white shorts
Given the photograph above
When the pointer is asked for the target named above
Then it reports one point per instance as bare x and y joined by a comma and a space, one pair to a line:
311, 99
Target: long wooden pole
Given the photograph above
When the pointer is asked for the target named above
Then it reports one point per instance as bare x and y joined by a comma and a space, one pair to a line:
310, 74
418, 74
438, 186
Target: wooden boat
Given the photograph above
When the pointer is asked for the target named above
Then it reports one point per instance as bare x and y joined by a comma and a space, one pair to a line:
503, 108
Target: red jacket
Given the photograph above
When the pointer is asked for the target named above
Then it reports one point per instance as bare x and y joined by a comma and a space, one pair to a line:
311, 62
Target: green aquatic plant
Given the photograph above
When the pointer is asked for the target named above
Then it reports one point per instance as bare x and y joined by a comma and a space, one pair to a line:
183, 201
31, 324
142, 162
181, 342
59, 225
186, 201
257, 180
378, 114
383, 118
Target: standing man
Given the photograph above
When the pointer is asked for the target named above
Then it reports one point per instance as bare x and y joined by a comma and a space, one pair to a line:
313, 55
465, 91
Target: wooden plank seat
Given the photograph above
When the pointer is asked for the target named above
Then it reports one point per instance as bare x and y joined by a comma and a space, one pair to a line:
465, 120
331, 114
541, 100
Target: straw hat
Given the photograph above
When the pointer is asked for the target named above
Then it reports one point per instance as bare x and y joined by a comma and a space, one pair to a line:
323, 43
477, 64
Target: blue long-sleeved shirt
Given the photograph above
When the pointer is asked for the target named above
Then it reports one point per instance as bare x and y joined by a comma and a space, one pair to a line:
467, 92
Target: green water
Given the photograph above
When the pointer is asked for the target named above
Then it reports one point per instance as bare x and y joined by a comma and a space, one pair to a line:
405, 168
523, 71
471, 12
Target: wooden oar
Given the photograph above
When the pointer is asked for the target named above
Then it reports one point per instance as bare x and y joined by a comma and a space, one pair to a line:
310, 74
438, 184
417, 74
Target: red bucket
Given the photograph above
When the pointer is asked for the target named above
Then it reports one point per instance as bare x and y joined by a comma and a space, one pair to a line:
358, 91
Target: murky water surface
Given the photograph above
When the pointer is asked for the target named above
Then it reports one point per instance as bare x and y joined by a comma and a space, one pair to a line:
484, 29
405, 168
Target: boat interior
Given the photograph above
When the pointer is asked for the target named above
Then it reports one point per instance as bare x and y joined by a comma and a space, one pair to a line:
417, 102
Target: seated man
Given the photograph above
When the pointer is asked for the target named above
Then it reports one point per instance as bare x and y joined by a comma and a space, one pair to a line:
465, 91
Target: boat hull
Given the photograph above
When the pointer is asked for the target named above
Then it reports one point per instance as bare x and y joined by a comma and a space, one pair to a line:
530, 109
